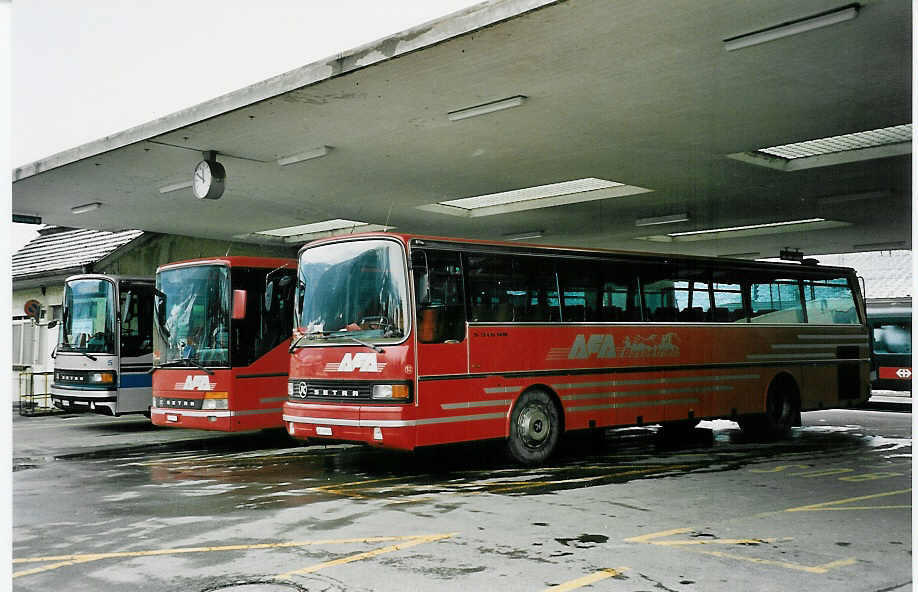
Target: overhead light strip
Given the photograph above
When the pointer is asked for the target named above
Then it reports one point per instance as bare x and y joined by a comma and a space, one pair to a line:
85, 208
324, 226
887, 246
669, 219
729, 232
304, 156
486, 108
794, 27
748, 227
529, 235
175, 187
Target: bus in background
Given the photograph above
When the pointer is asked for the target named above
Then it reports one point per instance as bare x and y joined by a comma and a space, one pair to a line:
105, 345
890, 321
222, 329
405, 341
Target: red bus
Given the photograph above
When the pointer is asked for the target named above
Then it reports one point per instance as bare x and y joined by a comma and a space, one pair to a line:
221, 335
407, 341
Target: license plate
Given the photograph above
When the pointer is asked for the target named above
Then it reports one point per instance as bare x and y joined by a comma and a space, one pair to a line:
170, 417
66, 403
323, 431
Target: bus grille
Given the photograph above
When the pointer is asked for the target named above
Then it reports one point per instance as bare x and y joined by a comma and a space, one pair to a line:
330, 390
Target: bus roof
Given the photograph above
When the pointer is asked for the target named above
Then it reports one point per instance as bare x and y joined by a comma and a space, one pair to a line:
563, 250
233, 261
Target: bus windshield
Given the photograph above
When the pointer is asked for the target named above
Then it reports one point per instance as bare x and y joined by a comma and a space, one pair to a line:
88, 317
353, 289
192, 315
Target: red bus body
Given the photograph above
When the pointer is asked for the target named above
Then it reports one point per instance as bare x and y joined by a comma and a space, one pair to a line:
599, 374
253, 390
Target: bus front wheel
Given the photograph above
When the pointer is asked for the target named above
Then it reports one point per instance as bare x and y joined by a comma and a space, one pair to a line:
535, 427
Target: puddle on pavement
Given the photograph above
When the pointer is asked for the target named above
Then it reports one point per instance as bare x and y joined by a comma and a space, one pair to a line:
250, 472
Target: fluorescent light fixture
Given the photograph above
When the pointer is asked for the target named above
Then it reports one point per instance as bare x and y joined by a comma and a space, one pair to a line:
670, 219
786, 29
304, 232
528, 235
887, 246
303, 156
486, 108
175, 187
530, 198
85, 208
867, 145
832, 200
748, 230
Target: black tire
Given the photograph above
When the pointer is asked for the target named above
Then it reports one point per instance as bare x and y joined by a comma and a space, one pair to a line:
535, 427
781, 413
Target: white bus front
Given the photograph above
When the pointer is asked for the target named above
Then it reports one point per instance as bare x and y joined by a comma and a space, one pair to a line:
104, 351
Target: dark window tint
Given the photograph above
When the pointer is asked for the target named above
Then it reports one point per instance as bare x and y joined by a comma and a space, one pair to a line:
439, 297
268, 318
512, 289
136, 308
597, 291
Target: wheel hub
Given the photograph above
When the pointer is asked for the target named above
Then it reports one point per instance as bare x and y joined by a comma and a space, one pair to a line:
534, 426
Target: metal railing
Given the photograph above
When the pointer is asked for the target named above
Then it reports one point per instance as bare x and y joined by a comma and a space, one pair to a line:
32, 402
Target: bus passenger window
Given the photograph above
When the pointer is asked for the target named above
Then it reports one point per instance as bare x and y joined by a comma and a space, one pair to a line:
440, 301
829, 302
728, 304
776, 301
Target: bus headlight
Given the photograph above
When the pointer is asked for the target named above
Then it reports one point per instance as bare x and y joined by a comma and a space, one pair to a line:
100, 378
392, 392
215, 401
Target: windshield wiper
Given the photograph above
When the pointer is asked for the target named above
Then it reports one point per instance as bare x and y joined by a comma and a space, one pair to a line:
90, 356
186, 362
372, 346
310, 335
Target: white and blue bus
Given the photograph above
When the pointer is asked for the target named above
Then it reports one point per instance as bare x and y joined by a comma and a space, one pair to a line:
104, 351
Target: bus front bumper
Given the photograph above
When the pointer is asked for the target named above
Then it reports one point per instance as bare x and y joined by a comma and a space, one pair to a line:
378, 426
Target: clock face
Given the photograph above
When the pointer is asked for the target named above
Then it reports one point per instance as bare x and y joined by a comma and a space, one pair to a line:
202, 179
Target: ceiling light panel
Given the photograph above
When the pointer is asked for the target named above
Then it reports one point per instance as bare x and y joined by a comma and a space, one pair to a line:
486, 108
529, 198
325, 226
855, 141
816, 21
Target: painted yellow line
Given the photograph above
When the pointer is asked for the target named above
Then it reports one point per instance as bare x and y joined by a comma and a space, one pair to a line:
388, 549
816, 569
824, 505
587, 580
83, 558
719, 542
657, 535
36, 570
530, 484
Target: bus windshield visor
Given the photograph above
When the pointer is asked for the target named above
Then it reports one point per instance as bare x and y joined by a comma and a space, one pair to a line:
88, 323
192, 316
353, 289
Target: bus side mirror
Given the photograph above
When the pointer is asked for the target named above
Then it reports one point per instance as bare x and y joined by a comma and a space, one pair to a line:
239, 298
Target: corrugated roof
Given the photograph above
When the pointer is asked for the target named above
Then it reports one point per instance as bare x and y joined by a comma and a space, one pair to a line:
887, 274
56, 249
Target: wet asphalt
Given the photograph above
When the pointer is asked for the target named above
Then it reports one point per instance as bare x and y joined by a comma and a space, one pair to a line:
118, 504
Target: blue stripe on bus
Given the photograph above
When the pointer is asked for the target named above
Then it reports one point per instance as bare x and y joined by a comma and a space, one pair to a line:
136, 379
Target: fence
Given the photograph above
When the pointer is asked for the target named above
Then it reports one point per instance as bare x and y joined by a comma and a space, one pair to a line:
35, 393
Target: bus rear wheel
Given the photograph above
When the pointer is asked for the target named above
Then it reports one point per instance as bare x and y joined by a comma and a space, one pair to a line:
781, 413
535, 427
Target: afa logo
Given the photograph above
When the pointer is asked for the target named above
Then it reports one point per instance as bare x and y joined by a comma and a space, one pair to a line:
600, 346
362, 362
195, 383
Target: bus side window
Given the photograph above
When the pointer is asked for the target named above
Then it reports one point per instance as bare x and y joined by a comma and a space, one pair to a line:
440, 299
829, 302
775, 301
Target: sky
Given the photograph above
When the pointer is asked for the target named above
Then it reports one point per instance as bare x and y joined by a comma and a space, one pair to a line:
82, 70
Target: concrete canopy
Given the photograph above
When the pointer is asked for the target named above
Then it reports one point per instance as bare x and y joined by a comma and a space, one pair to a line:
640, 92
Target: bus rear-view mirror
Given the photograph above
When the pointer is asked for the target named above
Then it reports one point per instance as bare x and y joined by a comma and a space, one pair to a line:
239, 299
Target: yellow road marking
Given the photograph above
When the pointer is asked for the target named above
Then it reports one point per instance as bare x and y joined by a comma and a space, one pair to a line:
825, 505
65, 560
653, 539
529, 484
816, 569
388, 549
587, 580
